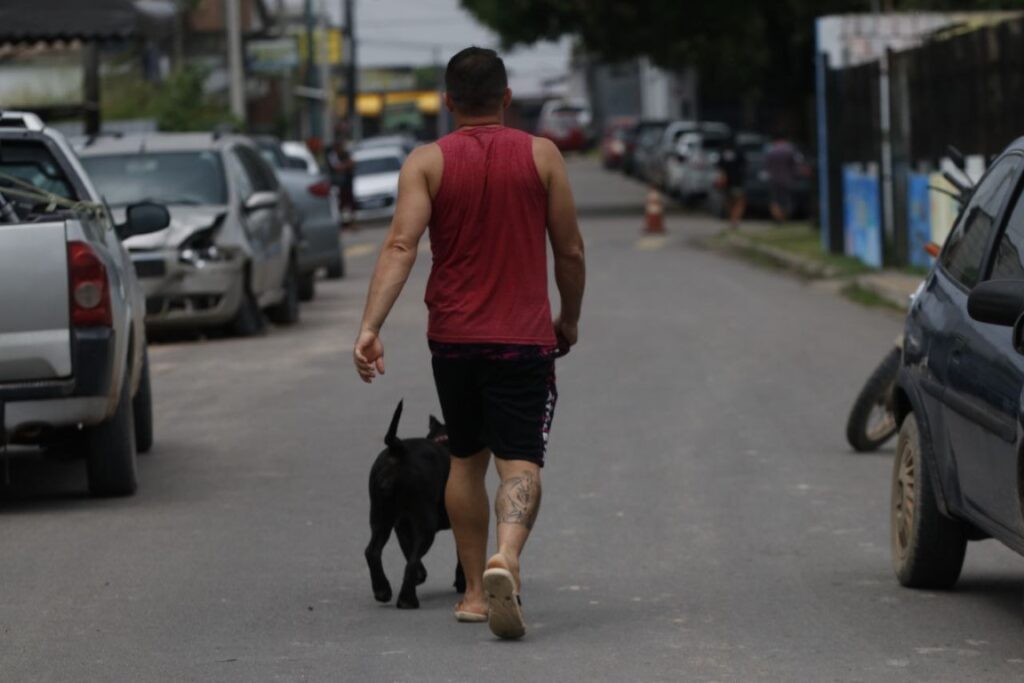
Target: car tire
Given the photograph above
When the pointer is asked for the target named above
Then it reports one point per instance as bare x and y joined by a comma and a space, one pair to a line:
872, 421
307, 286
110, 450
248, 321
927, 547
336, 268
286, 312
142, 409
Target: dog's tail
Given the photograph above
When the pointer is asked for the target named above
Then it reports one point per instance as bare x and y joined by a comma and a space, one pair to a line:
394, 444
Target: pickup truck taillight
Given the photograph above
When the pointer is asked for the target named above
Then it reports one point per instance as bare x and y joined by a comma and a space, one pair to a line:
90, 291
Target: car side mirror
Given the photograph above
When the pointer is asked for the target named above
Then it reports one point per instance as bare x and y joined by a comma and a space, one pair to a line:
261, 200
997, 302
144, 218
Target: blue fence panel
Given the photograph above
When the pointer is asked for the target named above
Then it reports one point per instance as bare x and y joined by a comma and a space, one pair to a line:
919, 220
862, 215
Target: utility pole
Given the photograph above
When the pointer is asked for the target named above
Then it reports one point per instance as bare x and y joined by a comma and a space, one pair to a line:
442, 113
312, 74
233, 23
351, 75
327, 109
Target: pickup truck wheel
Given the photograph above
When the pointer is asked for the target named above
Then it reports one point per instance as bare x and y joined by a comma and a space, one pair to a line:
142, 410
110, 450
336, 268
287, 311
307, 286
927, 547
248, 320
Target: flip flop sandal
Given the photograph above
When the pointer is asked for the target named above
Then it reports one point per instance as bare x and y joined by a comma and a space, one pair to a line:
506, 615
467, 617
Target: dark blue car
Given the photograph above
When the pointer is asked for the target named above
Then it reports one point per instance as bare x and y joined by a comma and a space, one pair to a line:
958, 472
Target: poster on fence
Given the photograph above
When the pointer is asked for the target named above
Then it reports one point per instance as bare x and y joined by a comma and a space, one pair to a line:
862, 224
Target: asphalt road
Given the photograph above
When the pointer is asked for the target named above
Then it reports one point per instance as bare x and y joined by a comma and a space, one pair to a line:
703, 519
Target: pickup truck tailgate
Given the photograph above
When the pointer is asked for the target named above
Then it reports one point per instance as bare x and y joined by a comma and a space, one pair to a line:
35, 339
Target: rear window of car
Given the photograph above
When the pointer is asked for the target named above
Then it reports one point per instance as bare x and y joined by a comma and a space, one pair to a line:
195, 178
24, 162
378, 165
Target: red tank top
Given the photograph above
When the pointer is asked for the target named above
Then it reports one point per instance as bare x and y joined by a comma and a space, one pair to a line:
488, 234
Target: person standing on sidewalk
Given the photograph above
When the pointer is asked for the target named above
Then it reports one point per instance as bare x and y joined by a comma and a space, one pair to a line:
780, 161
732, 166
493, 197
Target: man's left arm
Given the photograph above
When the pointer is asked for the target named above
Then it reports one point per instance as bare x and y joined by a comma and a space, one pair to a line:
397, 257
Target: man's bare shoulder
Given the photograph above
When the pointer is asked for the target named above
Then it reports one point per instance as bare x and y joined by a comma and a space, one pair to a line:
426, 157
547, 158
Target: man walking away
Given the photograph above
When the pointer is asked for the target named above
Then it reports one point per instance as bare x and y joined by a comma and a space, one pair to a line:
733, 167
780, 162
492, 196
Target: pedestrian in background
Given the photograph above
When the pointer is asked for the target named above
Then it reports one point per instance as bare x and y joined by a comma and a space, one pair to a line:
781, 161
505, 194
732, 168
342, 173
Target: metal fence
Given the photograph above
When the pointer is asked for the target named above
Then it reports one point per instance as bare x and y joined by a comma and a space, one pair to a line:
898, 115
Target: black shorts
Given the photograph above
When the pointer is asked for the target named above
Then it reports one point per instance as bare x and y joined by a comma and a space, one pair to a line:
503, 405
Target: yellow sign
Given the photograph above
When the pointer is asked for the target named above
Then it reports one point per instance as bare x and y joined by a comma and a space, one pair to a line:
333, 47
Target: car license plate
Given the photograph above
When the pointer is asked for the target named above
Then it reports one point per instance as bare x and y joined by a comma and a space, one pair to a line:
150, 267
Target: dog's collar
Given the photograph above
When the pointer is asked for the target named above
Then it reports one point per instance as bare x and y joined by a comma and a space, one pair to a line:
441, 439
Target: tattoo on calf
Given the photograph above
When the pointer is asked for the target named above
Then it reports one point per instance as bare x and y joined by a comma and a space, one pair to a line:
518, 500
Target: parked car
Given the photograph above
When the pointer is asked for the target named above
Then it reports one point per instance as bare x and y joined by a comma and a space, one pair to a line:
230, 251
751, 145
646, 149
758, 187
567, 123
73, 362
297, 155
692, 165
958, 469
318, 220
631, 138
613, 144
376, 181
406, 143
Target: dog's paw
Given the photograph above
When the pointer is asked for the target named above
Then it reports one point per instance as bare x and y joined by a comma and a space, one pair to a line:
408, 602
421, 575
383, 595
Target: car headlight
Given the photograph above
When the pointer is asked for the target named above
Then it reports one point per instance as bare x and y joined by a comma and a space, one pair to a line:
200, 249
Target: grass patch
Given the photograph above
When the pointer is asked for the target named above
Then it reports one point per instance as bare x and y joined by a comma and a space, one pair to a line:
865, 297
802, 241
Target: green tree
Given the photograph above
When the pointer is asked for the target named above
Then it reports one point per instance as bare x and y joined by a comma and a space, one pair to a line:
752, 50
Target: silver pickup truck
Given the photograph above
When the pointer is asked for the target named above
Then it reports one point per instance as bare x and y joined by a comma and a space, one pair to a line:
73, 362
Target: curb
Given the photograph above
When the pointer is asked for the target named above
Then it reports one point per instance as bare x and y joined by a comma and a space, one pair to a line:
813, 270
784, 259
895, 297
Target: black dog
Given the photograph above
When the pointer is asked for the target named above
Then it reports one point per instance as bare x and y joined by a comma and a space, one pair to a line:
407, 484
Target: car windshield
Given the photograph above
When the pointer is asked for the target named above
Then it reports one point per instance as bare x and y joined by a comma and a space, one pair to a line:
31, 162
163, 177
378, 165
272, 154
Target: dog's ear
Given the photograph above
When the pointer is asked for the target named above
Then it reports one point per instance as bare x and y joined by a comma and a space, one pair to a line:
437, 428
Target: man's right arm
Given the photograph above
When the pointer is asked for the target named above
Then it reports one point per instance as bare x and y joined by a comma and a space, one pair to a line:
565, 237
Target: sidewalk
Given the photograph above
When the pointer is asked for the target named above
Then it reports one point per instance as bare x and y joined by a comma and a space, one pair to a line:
797, 248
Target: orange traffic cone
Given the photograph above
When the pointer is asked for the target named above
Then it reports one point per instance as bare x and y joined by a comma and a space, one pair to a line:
654, 213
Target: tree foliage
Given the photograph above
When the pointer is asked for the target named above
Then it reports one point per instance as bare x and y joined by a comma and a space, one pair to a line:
755, 49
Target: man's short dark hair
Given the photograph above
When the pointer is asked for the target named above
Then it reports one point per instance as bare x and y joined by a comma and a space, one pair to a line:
476, 80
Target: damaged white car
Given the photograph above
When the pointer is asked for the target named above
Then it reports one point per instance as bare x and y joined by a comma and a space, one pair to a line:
230, 251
